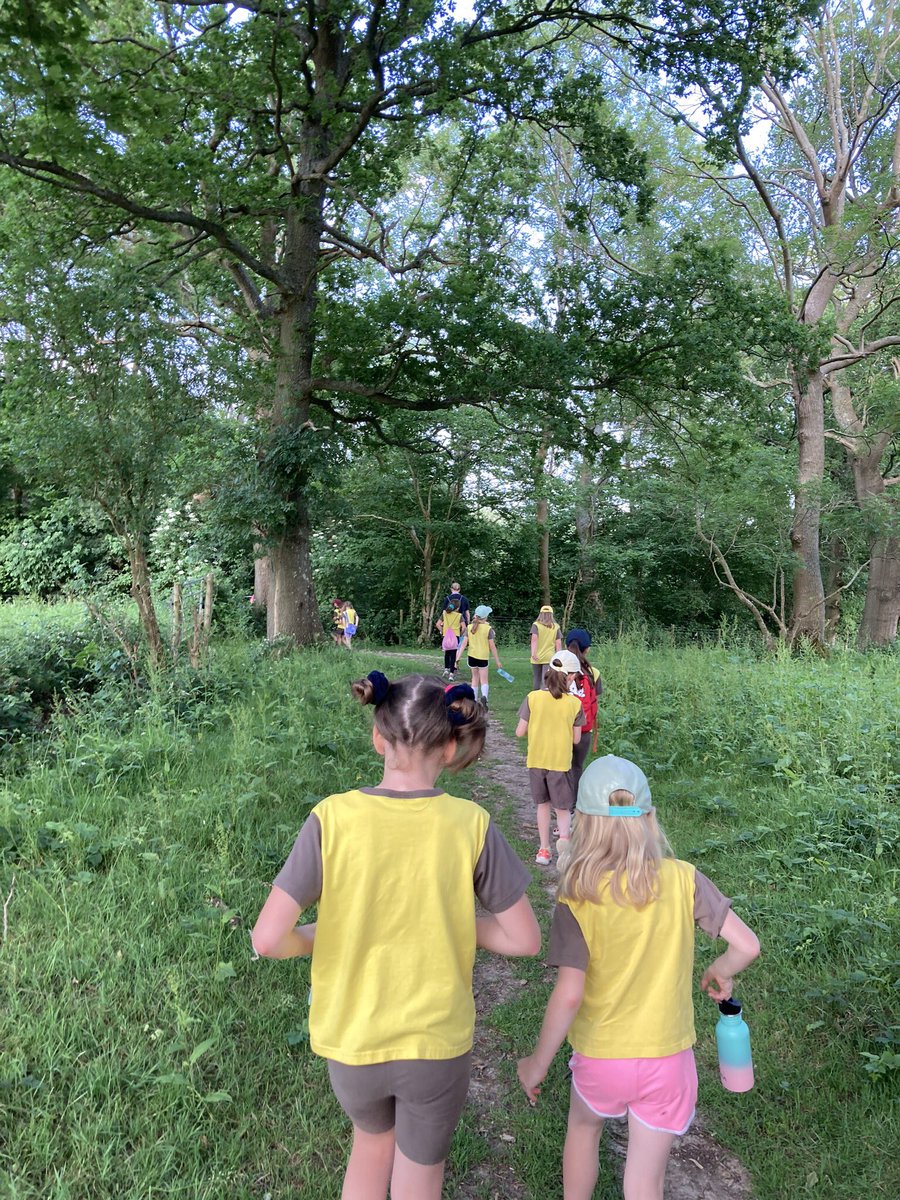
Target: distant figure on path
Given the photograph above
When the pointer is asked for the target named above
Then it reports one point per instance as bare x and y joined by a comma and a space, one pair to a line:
479, 638
349, 622
395, 870
624, 946
450, 625
456, 594
545, 641
552, 717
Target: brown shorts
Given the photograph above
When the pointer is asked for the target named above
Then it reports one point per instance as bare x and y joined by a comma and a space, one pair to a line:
421, 1099
551, 787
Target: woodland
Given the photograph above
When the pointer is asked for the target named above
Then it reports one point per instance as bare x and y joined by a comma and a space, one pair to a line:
584, 305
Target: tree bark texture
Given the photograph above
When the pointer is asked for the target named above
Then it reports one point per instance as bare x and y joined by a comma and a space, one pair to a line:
140, 591
808, 618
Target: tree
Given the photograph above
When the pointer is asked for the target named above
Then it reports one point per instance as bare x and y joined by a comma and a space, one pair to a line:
826, 216
97, 400
256, 145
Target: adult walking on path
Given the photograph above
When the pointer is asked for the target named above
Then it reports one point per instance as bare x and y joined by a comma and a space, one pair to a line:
455, 597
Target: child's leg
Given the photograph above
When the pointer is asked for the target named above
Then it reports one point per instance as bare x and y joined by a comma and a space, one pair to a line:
581, 1154
476, 680
543, 824
413, 1181
645, 1161
369, 1167
564, 821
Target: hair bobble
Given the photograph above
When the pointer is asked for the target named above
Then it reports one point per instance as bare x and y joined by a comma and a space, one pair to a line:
457, 691
380, 684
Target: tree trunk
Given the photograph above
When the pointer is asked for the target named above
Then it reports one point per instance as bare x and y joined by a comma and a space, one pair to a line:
140, 591
881, 612
864, 449
834, 578
292, 610
262, 579
542, 520
808, 617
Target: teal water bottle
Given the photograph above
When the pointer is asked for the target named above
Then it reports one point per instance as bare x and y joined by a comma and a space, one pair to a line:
733, 1042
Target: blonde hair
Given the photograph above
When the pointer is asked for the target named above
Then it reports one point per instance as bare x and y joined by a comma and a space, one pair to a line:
547, 619
475, 622
618, 855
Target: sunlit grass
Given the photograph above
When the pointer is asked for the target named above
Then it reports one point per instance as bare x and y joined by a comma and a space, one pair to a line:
143, 1054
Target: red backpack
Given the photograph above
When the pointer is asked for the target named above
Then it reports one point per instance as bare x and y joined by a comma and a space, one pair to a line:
590, 687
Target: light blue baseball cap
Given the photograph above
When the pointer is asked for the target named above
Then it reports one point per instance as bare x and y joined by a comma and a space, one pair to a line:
607, 775
483, 611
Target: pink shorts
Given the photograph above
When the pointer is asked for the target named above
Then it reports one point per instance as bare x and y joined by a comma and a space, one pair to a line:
660, 1092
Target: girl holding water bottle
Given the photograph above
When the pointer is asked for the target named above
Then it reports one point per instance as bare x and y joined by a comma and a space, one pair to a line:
623, 940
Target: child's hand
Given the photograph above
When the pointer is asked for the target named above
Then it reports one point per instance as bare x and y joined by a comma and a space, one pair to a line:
716, 983
531, 1076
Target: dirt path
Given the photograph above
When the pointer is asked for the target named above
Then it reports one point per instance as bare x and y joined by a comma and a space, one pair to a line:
700, 1169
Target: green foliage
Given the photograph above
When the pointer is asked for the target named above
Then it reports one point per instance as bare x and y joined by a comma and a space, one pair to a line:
62, 547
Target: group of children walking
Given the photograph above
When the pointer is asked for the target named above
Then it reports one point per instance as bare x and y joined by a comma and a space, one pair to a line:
395, 868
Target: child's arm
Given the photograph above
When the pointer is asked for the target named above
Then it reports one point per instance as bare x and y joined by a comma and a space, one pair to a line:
276, 933
514, 932
743, 947
562, 1007
493, 646
462, 645
534, 642
576, 734
522, 727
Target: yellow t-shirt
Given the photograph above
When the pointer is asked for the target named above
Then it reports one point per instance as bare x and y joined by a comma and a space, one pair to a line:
350, 617
546, 643
478, 640
641, 962
550, 724
392, 964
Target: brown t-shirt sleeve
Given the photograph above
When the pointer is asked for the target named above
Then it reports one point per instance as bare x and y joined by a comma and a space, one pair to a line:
567, 945
301, 875
579, 719
500, 878
524, 713
710, 906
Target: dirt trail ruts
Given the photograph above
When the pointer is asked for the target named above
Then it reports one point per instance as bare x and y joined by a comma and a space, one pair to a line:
699, 1169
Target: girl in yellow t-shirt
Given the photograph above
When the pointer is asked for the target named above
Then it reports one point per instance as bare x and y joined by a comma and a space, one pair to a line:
552, 718
545, 641
479, 637
395, 871
624, 946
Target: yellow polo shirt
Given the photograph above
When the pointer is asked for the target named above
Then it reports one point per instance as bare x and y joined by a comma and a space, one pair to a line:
550, 724
638, 985
546, 643
396, 876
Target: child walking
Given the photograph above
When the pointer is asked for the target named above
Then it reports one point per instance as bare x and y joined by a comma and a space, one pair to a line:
479, 637
623, 940
588, 687
552, 718
450, 626
545, 642
395, 870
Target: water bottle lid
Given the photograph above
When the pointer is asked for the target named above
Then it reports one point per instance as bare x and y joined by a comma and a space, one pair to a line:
730, 1008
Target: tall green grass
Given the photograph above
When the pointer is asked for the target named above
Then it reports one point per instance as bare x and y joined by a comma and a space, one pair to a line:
778, 777
143, 1053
